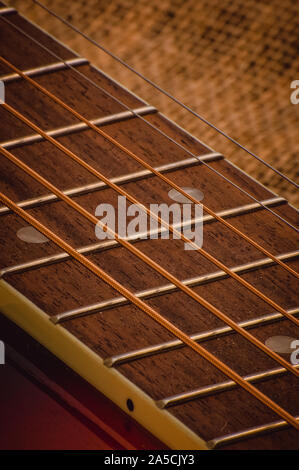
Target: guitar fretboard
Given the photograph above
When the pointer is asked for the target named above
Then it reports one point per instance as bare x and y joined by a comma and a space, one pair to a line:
154, 369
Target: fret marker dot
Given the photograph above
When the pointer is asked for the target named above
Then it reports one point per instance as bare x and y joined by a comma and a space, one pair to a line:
31, 235
178, 197
280, 344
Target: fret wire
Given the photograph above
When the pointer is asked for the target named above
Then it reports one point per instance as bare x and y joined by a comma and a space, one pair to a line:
124, 179
73, 128
162, 290
110, 244
7, 10
49, 68
208, 390
139, 160
164, 92
132, 199
247, 433
158, 268
148, 351
178, 144
151, 312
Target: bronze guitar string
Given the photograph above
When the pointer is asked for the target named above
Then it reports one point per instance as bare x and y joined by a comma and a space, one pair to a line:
140, 117
151, 312
158, 268
162, 222
144, 164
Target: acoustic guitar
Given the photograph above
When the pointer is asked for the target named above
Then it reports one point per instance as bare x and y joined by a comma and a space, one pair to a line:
148, 291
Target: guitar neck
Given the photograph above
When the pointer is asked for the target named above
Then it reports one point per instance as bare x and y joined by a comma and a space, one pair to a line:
84, 320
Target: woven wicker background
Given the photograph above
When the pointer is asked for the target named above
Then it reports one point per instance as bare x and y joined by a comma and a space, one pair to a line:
231, 60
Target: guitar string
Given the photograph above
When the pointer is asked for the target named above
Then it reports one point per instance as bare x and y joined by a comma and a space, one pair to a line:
121, 191
164, 92
151, 312
146, 165
191, 293
178, 144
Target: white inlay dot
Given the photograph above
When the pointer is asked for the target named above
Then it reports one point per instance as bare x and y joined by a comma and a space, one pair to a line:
31, 235
280, 344
178, 197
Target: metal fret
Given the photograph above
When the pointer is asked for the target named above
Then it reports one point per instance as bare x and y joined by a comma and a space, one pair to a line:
184, 397
168, 288
7, 10
128, 178
248, 433
62, 131
200, 337
45, 69
108, 244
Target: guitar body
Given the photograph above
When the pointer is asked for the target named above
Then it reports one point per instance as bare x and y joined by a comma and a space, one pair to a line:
45, 405
123, 342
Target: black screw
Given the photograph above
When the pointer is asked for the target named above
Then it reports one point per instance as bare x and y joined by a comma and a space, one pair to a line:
130, 404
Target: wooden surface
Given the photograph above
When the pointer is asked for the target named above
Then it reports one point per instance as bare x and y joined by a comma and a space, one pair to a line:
67, 285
